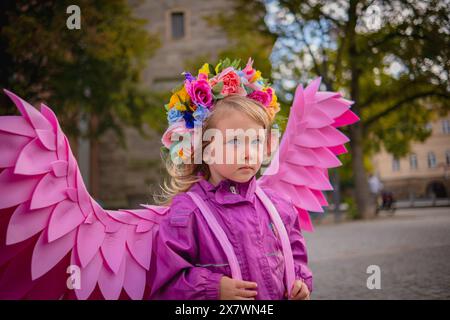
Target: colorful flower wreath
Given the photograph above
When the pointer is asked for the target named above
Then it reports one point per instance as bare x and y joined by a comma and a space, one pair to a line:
192, 102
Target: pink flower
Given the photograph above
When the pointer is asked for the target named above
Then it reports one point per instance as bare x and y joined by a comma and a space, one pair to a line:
270, 93
248, 71
261, 96
231, 82
179, 129
200, 92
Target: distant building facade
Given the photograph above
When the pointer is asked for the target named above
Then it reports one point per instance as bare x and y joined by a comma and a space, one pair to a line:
425, 172
125, 178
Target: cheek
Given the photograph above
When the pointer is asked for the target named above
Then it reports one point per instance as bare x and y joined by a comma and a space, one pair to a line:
233, 155
230, 152
220, 156
225, 170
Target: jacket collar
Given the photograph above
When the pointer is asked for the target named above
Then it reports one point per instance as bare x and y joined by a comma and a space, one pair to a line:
227, 191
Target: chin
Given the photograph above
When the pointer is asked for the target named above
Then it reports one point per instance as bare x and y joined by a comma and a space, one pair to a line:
242, 177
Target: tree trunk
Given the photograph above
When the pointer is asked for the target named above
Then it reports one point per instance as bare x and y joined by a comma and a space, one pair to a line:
362, 196
94, 178
363, 199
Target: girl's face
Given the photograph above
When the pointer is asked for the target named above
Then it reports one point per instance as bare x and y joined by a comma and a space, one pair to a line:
240, 143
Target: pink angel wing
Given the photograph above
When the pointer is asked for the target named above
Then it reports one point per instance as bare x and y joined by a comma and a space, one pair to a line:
309, 147
55, 240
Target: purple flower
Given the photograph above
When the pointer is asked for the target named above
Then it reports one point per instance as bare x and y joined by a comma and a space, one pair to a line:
188, 76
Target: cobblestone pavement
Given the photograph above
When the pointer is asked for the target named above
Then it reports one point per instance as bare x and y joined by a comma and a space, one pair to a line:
412, 249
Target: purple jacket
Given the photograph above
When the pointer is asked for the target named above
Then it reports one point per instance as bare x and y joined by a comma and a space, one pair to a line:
188, 262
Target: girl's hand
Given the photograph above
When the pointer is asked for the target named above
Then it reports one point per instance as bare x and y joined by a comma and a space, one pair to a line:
231, 289
300, 291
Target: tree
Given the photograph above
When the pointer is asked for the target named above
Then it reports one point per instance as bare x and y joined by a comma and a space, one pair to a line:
390, 57
248, 35
92, 71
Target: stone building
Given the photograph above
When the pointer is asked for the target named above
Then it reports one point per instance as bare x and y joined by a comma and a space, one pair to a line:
425, 172
125, 178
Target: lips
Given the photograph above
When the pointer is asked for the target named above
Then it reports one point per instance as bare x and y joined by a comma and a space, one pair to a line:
246, 168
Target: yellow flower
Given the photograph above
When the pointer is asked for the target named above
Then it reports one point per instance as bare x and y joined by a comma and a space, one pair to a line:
256, 76
274, 101
276, 107
217, 67
204, 69
178, 98
180, 106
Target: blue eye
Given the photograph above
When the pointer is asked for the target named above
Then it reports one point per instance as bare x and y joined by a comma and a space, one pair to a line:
233, 141
256, 141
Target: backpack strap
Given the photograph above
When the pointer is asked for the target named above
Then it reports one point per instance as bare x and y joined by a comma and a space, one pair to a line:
219, 234
285, 242
228, 248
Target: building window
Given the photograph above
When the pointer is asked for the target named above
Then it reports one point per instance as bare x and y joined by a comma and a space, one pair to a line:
177, 23
431, 160
395, 164
447, 157
413, 161
446, 126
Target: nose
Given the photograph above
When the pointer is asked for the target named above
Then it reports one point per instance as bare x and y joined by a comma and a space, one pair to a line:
250, 152
247, 152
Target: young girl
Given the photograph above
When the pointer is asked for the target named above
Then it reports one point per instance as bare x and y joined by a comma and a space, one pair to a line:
221, 234
189, 262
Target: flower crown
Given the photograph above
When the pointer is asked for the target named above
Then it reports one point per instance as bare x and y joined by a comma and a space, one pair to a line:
192, 102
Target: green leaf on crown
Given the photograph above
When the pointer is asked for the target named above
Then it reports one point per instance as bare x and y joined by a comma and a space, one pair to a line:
248, 89
226, 63
235, 64
212, 71
217, 88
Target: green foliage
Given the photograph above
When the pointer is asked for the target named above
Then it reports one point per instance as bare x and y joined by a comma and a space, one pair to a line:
94, 70
247, 33
352, 211
248, 36
223, 64
156, 116
396, 69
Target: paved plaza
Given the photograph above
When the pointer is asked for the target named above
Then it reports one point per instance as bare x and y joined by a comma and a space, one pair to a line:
411, 248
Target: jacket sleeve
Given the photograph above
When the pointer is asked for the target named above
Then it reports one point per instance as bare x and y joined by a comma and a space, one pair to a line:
174, 274
299, 251
291, 221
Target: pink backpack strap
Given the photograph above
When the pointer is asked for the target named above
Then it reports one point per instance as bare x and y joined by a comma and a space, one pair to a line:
219, 234
285, 242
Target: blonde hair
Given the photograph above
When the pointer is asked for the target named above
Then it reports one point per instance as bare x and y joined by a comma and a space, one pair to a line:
183, 176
